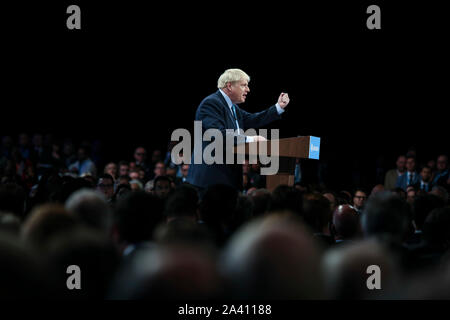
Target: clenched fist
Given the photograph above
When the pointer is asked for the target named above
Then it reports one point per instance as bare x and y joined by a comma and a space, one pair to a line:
283, 100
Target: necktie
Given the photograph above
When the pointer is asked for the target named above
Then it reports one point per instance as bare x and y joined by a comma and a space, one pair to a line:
233, 108
233, 111
410, 179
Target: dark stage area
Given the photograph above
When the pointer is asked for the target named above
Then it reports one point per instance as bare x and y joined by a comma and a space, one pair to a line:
135, 73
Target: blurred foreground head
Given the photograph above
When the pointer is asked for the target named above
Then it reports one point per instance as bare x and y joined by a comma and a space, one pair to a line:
91, 251
171, 271
91, 208
43, 223
137, 216
346, 222
275, 257
386, 215
218, 211
21, 275
345, 270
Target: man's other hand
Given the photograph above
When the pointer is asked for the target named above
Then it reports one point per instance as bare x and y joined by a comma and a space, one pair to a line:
258, 138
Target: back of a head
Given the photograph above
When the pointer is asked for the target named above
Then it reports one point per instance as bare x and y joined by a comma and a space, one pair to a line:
91, 208
286, 198
168, 272
436, 228
182, 203
137, 215
71, 186
243, 212
12, 199
441, 192
9, 223
43, 223
378, 188
346, 222
345, 270
423, 204
272, 258
95, 256
183, 231
343, 197
217, 211
217, 203
386, 214
316, 211
261, 200
21, 274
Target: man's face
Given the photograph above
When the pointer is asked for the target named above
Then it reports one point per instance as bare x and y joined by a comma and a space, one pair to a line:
111, 169
401, 161
140, 155
82, 154
238, 91
160, 169
359, 199
410, 193
410, 164
123, 170
68, 148
185, 170
106, 186
37, 140
171, 172
124, 181
442, 163
162, 189
134, 175
426, 174
156, 156
23, 140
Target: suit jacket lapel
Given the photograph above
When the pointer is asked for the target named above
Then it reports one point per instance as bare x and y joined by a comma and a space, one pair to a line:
227, 109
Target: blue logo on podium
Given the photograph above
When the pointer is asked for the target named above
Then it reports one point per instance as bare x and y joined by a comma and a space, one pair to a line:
314, 147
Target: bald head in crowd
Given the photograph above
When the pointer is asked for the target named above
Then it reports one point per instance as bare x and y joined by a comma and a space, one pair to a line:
378, 188
346, 222
273, 258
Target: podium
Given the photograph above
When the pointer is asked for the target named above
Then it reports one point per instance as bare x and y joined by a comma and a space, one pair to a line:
306, 147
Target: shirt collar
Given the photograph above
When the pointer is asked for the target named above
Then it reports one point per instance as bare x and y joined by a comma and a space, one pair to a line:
227, 99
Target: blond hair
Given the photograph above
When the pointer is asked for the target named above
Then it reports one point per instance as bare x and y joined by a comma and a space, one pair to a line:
231, 75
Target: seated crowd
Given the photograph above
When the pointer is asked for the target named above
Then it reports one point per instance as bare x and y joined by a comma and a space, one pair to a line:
137, 230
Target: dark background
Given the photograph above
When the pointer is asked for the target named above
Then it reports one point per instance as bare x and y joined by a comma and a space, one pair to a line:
137, 71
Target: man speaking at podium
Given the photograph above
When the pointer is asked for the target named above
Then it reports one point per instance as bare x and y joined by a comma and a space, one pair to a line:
220, 111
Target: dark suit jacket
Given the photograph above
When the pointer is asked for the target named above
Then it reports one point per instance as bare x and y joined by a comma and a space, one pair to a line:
430, 186
402, 181
214, 112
